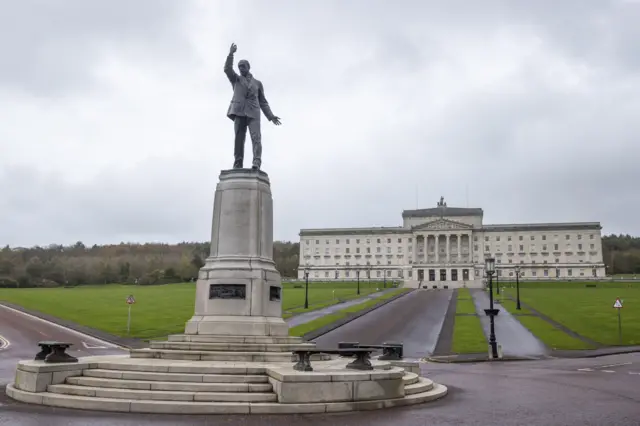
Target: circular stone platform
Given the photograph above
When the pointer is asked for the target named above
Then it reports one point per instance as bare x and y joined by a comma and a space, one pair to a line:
149, 385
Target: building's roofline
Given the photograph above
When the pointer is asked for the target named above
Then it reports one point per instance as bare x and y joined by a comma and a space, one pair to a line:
541, 226
383, 230
443, 211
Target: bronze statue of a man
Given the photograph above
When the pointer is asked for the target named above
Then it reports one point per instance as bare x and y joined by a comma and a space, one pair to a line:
248, 99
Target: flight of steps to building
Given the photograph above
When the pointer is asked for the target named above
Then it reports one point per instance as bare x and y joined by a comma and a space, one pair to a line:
204, 389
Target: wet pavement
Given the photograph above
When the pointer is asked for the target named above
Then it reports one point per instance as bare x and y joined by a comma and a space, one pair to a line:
23, 332
515, 339
549, 393
310, 316
415, 320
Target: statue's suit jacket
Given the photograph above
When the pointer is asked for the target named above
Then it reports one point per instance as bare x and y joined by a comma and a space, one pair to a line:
248, 95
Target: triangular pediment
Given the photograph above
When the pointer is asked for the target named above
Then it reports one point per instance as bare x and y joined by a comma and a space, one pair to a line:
442, 224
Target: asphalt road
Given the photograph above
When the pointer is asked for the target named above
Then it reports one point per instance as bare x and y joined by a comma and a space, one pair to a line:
22, 332
415, 320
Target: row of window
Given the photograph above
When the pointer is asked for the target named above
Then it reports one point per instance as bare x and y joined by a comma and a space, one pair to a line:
533, 237
532, 247
400, 273
368, 240
475, 238
389, 262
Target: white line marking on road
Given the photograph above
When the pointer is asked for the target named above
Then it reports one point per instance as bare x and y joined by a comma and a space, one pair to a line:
607, 371
634, 372
613, 365
67, 329
88, 346
585, 369
4, 343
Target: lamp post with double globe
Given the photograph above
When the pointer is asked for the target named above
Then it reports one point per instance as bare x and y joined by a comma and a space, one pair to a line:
490, 269
518, 287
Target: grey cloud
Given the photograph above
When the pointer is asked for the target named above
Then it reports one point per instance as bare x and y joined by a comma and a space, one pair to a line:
366, 128
50, 47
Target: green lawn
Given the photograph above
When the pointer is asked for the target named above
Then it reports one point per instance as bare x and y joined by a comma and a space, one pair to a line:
468, 336
464, 304
550, 335
159, 310
310, 326
588, 311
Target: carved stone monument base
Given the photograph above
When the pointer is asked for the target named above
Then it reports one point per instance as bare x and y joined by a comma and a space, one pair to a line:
238, 292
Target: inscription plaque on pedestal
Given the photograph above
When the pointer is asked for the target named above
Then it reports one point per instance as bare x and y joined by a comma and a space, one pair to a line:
228, 291
274, 293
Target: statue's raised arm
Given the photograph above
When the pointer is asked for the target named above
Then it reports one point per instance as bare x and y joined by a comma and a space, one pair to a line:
228, 65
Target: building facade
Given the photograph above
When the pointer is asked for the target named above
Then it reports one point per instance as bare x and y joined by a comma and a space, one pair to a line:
446, 246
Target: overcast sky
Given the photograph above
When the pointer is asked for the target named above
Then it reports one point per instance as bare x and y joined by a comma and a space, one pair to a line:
113, 125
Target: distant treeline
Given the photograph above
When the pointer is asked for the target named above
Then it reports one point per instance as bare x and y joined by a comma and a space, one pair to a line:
145, 264
621, 254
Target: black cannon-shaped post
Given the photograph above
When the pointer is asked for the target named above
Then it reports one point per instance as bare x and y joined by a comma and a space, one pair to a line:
54, 352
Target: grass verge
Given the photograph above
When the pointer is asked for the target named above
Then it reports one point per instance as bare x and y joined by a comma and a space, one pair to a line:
464, 304
468, 336
302, 329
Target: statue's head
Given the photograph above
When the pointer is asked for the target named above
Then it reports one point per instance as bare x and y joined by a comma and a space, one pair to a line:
244, 67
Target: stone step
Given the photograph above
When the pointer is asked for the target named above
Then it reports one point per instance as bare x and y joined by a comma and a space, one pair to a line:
203, 338
422, 385
168, 386
234, 347
174, 377
192, 407
178, 366
410, 378
156, 395
212, 355
188, 355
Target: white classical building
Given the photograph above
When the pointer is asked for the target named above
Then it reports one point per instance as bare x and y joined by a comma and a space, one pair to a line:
446, 246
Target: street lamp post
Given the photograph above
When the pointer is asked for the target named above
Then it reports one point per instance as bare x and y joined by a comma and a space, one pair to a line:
358, 276
490, 267
306, 288
498, 282
518, 287
385, 277
369, 277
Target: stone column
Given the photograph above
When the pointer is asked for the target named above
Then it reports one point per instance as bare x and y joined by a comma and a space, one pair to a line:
426, 248
414, 255
437, 248
471, 248
448, 249
459, 237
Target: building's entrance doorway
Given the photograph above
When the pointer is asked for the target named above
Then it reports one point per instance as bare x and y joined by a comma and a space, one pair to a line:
420, 274
465, 274
443, 274
432, 274
454, 275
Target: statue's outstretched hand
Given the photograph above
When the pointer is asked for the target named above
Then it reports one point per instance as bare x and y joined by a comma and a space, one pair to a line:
276, 121
233, 48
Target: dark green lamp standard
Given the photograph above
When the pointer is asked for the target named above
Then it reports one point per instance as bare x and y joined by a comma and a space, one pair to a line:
490, 269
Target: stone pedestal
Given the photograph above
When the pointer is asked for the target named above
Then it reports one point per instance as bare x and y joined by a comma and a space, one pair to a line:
238, 292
